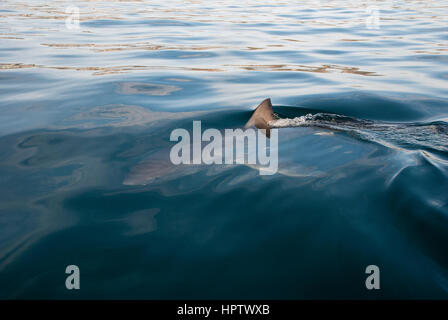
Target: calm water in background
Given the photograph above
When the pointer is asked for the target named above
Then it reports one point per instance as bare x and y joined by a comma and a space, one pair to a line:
81, 110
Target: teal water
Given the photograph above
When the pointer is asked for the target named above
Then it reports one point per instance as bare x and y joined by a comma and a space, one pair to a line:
85, 120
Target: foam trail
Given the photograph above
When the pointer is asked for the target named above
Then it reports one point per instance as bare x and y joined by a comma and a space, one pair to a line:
408, 136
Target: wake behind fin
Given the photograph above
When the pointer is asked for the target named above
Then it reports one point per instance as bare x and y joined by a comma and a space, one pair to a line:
261, 117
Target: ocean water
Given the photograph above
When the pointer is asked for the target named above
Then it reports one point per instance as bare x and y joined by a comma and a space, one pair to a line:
85, 121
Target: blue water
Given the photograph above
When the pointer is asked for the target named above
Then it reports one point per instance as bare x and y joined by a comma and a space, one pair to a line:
85, 120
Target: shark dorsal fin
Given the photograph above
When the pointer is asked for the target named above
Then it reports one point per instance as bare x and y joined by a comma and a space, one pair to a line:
261, 117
